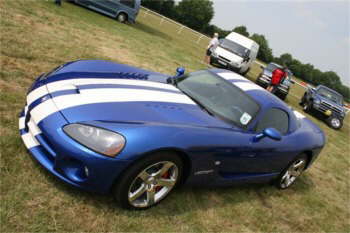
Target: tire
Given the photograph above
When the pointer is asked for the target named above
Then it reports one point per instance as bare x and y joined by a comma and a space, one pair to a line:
307, 107
334, 122
140, 187
245, 72
122, 17
303, 100
290, 174
283, 96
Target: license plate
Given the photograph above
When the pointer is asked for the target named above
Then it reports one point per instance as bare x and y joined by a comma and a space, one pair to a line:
222, 63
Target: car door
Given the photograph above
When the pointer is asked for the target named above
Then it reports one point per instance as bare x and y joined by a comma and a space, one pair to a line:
103, 6
265, 156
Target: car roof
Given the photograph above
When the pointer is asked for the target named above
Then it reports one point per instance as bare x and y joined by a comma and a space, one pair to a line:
278, 65
264, 98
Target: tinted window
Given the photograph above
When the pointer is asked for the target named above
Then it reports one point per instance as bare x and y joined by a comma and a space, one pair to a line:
219, 97
129, 3
274, 118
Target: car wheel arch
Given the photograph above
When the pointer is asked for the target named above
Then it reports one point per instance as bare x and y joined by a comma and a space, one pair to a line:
187, 165
124, 13
309, 156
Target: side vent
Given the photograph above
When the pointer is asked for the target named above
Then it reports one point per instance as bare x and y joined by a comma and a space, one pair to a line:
125, 75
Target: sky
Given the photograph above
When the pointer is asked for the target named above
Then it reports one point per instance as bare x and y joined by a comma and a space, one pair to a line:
315, 32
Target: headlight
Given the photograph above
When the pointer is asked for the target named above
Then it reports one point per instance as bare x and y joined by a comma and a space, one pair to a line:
100, 140
317, 101
214, 54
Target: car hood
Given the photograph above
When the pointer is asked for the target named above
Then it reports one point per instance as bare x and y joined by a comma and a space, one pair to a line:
268, 73
332, 103
125, 100
228, 55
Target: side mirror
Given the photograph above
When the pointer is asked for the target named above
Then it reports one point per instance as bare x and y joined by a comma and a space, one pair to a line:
246, 59
268, 132
180, 71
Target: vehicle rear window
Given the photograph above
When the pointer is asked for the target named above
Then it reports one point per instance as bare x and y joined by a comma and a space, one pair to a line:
129, 3
274, 118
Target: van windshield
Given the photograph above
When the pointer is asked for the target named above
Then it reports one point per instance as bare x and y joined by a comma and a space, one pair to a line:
234, 48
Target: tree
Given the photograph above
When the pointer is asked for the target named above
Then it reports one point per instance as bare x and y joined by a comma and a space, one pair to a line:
168, 9
152, 4
285, 59
195, 14
241, 30
265, 53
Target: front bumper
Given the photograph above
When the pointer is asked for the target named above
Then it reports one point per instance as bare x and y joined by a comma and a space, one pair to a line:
223, 63
65, 158
324, 110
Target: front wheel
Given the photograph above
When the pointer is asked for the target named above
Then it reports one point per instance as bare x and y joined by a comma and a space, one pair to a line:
122, 18
149, 181
307, 106
283, 96
289, 175
334, 122
245, 72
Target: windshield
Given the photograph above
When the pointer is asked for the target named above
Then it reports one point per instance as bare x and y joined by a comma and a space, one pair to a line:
219, 97
234, 48
330, 95
271, 67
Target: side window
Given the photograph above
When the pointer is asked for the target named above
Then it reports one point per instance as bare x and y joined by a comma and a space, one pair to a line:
274, 118
129, 3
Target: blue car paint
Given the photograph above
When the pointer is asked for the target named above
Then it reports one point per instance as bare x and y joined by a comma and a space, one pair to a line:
218, 153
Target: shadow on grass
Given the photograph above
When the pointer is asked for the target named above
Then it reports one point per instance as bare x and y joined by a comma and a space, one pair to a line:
153, 32
185, 199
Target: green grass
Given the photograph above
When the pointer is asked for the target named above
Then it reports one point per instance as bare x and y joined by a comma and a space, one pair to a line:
37, 36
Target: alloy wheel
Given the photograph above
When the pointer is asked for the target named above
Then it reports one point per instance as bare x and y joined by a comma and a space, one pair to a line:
292, 173
153, 184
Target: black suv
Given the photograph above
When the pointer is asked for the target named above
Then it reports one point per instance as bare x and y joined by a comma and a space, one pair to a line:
327, 102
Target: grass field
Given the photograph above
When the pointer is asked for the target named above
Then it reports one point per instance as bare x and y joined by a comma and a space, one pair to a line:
37, 36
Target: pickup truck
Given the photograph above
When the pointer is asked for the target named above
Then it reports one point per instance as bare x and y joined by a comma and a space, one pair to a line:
264, 80
327, 102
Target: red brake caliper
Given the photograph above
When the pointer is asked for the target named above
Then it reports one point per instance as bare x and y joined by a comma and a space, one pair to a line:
165, 175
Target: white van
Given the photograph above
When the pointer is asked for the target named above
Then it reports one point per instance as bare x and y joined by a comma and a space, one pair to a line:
235, 52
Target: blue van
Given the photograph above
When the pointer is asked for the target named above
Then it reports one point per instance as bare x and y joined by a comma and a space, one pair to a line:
122, 10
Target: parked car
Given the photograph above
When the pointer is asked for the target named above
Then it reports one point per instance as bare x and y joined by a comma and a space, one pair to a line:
122, 10
235, 52
109, 127
265, 76
327, 102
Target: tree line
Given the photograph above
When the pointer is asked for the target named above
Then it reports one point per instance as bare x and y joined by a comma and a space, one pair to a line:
197, 15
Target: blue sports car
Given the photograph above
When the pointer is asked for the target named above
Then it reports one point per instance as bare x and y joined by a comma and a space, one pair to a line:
108, 127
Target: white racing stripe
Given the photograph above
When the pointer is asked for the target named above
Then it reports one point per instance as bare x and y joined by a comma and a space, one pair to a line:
21, 121
70, 83
247, 86
29, 140
105, 95
33, 128
36, 94
232, 76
